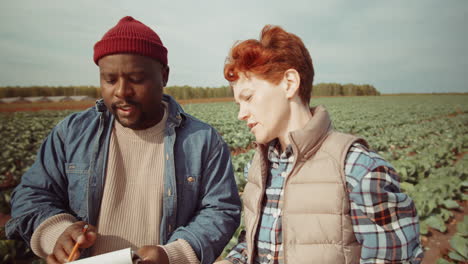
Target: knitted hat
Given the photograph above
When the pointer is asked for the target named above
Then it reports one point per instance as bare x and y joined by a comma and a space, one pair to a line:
131, 36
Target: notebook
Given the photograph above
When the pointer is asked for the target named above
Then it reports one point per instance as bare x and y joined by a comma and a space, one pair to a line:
124, 256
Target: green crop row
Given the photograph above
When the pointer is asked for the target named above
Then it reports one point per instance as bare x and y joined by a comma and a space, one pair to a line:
424, 137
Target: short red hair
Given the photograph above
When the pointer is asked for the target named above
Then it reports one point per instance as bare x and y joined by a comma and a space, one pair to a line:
269, 57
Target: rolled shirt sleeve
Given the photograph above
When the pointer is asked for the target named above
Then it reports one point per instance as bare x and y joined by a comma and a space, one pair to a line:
238, 255
384, 219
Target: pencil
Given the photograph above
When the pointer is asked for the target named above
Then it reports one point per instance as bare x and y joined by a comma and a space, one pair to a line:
75, 248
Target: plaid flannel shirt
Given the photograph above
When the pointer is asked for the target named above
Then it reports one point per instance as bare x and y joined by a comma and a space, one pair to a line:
384, 219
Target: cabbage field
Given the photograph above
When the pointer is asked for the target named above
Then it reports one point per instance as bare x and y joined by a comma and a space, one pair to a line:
425, 137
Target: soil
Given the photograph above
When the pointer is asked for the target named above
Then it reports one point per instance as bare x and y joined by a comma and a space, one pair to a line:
3, 219
437, 244
238, 151
459, 156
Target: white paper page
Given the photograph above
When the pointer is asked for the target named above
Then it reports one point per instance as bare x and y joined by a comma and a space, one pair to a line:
123, 256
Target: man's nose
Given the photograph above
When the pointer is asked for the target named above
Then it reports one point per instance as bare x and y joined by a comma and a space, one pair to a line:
124, 89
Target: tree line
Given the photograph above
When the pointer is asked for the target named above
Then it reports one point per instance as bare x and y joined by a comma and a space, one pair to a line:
181, 92
30, 91
336, 89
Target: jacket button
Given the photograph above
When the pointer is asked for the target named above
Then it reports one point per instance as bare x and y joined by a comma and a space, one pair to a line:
190, 179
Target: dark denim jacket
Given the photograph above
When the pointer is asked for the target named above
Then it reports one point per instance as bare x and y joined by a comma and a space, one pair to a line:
69, 173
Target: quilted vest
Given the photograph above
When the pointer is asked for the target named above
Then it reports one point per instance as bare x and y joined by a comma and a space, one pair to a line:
316, 224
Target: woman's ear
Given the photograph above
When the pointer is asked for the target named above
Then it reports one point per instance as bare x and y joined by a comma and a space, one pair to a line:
292, 81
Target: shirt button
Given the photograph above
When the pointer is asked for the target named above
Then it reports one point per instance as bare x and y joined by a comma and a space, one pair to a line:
283, 174
190, 179
269, 257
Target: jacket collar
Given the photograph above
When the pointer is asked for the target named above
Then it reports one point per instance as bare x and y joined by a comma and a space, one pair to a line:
308, 140
175, 111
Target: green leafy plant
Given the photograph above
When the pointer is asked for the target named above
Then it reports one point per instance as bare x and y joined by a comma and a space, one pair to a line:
13, 250
5, 197
459, 242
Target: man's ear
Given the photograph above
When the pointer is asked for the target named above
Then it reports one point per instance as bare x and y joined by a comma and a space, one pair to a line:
165, 75
292, 81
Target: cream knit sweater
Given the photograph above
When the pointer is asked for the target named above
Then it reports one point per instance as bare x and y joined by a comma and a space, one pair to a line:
131, 209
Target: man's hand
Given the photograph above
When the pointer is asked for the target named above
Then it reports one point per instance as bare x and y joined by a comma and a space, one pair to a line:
66, 241
153, 255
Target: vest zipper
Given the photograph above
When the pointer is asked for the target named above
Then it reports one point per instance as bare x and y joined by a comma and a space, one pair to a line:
294, 166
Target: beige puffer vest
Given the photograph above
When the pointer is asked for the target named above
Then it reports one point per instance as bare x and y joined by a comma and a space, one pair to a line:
316, 224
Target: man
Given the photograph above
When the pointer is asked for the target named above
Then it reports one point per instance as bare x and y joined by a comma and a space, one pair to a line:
135, 168
313, 195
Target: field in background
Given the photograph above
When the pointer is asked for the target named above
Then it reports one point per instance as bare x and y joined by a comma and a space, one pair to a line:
40, 106
179, 92
425, 137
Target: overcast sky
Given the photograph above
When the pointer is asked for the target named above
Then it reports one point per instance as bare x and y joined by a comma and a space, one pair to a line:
397, 46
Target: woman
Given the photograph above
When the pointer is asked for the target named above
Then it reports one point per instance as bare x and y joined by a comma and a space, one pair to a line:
313, 195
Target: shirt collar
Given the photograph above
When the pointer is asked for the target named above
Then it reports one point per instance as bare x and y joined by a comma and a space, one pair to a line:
275, 154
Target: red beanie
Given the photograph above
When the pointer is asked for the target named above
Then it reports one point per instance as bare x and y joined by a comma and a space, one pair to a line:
131, 36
